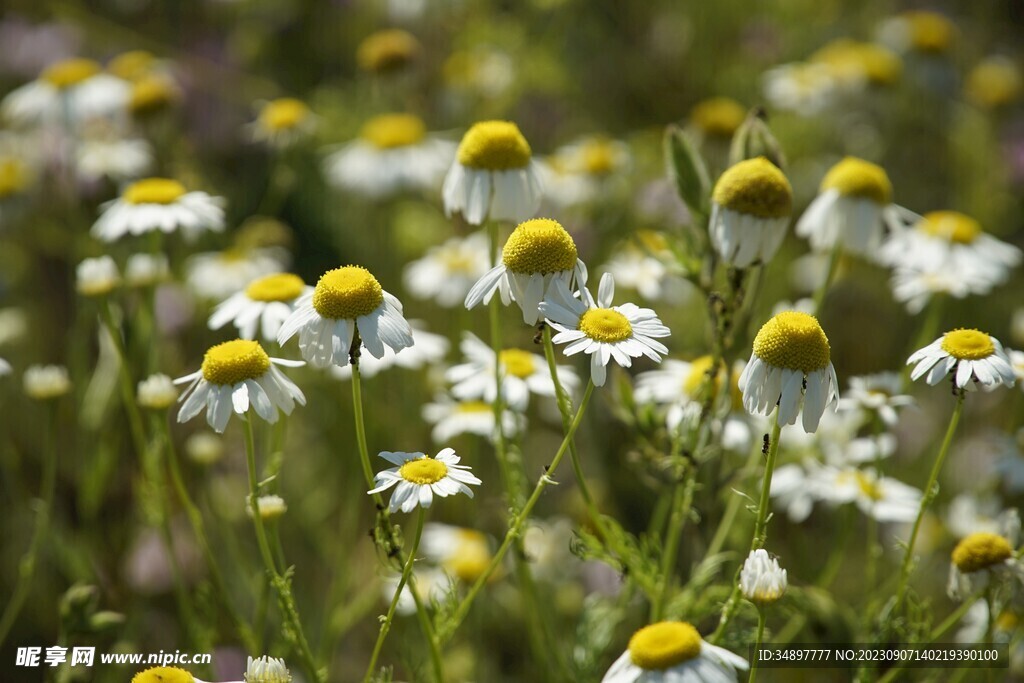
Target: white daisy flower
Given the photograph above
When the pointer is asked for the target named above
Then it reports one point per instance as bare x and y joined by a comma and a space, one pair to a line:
601, 330
271, 507
792, 486
790, 368
75, 88
969, 513
921, 31
427, 349
806, 89
879, 394
678, 381
447, 272
463, 553
113, 157
579, 172
452, 418
1016, 359
159, 204
914, 288
762, 580
673, 652
346, 301
654, 277
985, 556
538, 253
974, 357
146, 270
283, 122
493, 177
523, 373
266, 670
883, 498
750, 210
853, 208
43, 382
264, 305
234, 376
219, 274
97, 276
418, 478
157, 392
393, 153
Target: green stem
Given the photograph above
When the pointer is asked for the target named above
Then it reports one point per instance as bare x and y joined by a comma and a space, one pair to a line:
357, 409
757, 644
124, 375
725, 525
682, 499
929, 493
833, 264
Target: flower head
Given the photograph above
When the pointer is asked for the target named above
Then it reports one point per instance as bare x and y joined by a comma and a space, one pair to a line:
974, 357
671, 651
157, 392
164, 674
97, 276
73, 90
386, 51
159, 204
418, 478
264, 304
283, 121
447, 272
751, 205
718, 117
984, 556
266, 670
762, 580
44, 382
271, 507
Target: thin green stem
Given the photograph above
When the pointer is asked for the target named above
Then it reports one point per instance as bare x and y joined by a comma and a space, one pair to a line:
761, 618
833, 264
682, 499
124, 375
357, 409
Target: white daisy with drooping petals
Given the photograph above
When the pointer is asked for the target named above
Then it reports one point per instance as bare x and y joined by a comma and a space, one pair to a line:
674, 652
973, 357
159, 204
601, 330
263, 305
418, 478
750, 211
235, 376
345, 302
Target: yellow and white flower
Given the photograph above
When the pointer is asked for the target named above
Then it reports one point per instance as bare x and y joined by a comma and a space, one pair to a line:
219, 274
994, 82
159, 204
914, 288
235, 376
447, 272
264, 305
112, 156
853, 208
579, 172
762, 580
804, 88
883, 498
920, 31
673, 652
432, 584
346, 301
494, 176
452, 418
717, 118
417, 478
266, 670
393, 153
283, 122
879, 394
601, 330
271, 507
538, 254
973, 357
44, 382
652, 271
984, 556
74, 89
427, 349
387, 50
157, 392
462, 553
522, 374
750, 210
97, 276
146, 270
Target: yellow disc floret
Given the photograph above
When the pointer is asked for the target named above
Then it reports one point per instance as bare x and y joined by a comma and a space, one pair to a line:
494, 146
387, 50
163, 674
857, 60
968, 344
952, 225
151, 93
930, 31
718, 116
132, 65
13, 177
153, 191
516, 363
854, 177
794, 341
283, 113
598, 157
347, 293
423, 471
980, 551
539, 245
393, 130
277, 287
605, 325
235, 361
70, 72
663, 645
474, 407
756, 187
994, 82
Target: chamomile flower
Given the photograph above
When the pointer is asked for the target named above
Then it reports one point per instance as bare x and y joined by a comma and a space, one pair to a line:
264, 305
393, 153
580, 172
655, 276
146, 270
673, 652
522, 374
427, 349
883, 498
973, 357
919, 31
283, 122
914, 287
417, 478
452, 418
994, 82
601, 330
76, 89
157, 392
984, 556
790, 367
165, 674
45, 382
717, 118
750, 210
159, 204
447, 272
266, 670
346, 301
97, 276
432, 584
879, 394
494, 176
112, 156
217, 275
853, 208
463, 553
806, 89
387, 51
1016, 359
537, 255
271, 507
235, 376
762, 580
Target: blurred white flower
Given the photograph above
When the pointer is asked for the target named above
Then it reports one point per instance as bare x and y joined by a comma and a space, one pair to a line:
97, 276
146, 270
69, 91
451, 418
43, 382
447, 272
159, 204
879, 394
271, 507
113, 157
157, 392
217, 275
806, 89
283, 122
263, 305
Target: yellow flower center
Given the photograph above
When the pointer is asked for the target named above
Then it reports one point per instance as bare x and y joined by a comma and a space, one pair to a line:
793, 340
994, 82
153, 191
718, 116
70, 72
283, 114
13, 177
347, 293
694, 381
663, 645
539, 245
457, 260
981, 551
235, 361
598, 157
423, 471
605, 325
1007, 621
131, 65
394, 130
516, 363
868, 486
277, 287
854, 177
474, 407
652, 240
471, 556
855, 59
968, 344
930, 31
952, 225
494, 146
756, 187
387, 50
163, 674
151, 93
